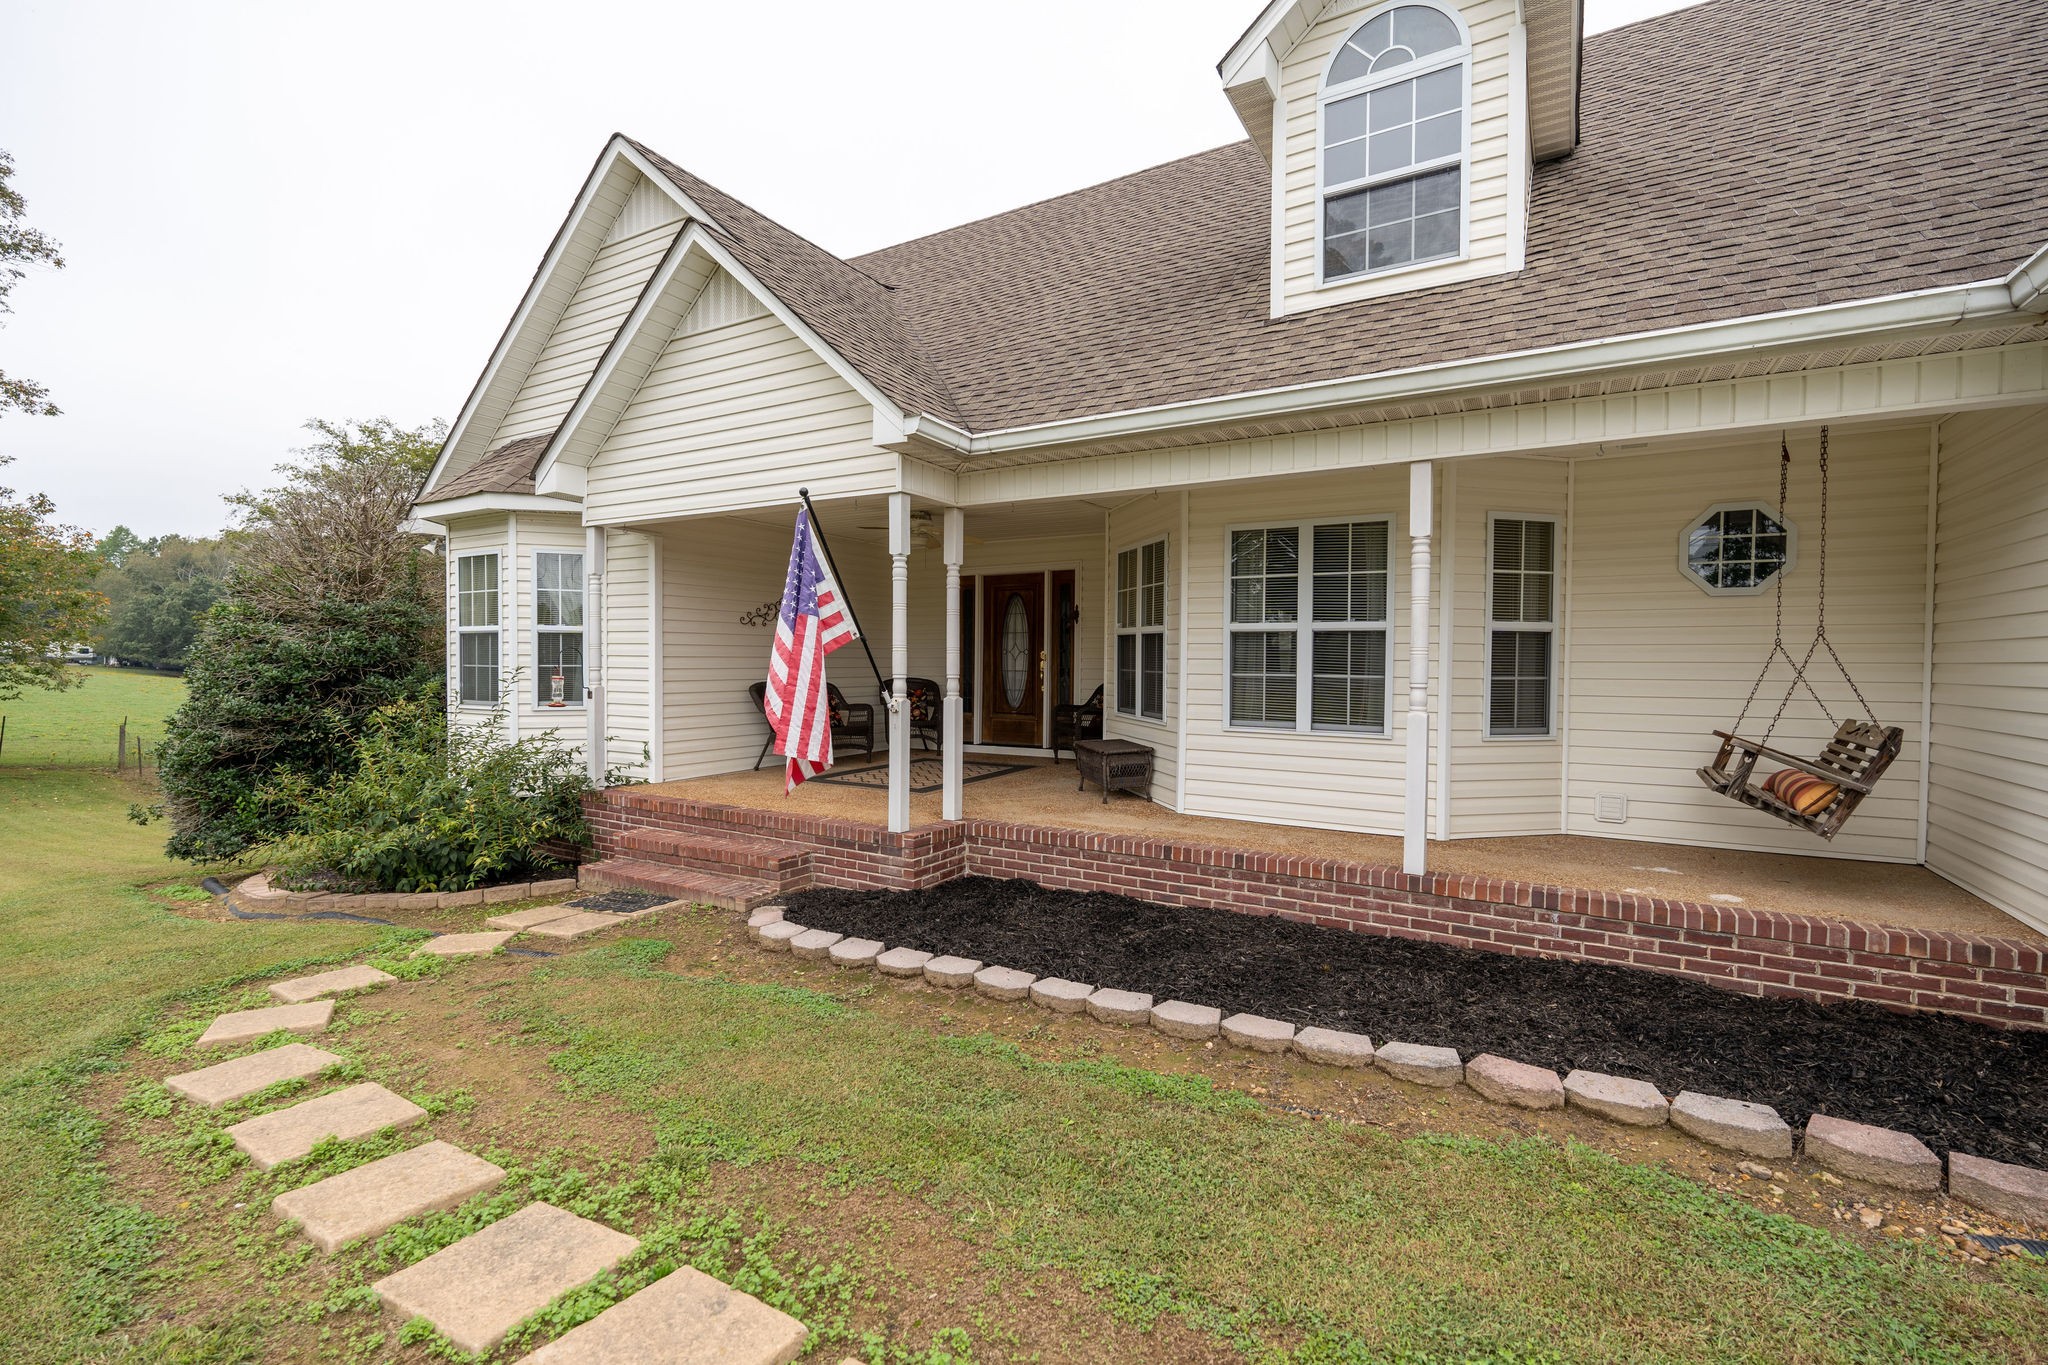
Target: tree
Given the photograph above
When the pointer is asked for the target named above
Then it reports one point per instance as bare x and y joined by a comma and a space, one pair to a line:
158, 592
21, 246
331, 612
47, 599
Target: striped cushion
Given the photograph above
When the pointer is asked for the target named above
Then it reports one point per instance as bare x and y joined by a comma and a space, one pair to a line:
1803, 792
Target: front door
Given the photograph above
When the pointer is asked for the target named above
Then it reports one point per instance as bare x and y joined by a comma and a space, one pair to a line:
1013, 659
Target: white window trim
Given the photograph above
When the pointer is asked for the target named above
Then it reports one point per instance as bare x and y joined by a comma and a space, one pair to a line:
1305, 628
1137, 711
1326, 94
569, 703
497, 631
1490, 625
1739, 505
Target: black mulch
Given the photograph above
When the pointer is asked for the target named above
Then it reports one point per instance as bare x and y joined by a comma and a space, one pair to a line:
620, 902
1947, 1081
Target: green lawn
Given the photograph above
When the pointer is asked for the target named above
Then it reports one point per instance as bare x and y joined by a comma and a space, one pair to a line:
923, 1178
80, 726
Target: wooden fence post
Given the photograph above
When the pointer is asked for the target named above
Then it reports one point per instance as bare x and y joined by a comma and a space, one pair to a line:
121, 748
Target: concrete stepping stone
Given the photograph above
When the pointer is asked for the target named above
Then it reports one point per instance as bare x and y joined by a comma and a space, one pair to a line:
775, 938
684, 1318
483, 1286
1738, 1125
464, 945
215, 1086
1882, 1156
1003, 983
951, 972
761, 919
1179, 1019
534, 918
1516, 1083
813, 944
355, 1112
1617, 1098
1257, 1033
1120, 1007
854, 952
1060, 995
2016, 1192
381, 1194
1333, 1047
578, 924
246, 1026
1435, 1066
902, 962
300, 989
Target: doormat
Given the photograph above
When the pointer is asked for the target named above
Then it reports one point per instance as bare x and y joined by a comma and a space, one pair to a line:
926, 774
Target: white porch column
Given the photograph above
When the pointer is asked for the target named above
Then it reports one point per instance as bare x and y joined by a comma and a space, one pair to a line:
899, 662
1421, 519
955, 756
593, 652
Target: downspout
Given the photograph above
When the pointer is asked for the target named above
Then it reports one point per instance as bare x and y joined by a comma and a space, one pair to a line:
593, 653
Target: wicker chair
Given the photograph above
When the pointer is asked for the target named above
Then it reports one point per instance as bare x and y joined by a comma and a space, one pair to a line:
1076, 720
927, 703
853, 723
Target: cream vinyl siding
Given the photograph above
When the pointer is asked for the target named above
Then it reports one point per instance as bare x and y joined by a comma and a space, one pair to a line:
1131, 526
734, 417
1499, 786
1330, 781
1988, 787
467, 536
1489, 148
1657, 665
602, 300
629, 734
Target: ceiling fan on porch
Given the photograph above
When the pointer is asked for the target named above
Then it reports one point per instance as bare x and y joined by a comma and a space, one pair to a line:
925, 530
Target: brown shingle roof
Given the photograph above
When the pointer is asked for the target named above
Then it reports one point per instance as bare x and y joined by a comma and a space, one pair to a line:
508, 469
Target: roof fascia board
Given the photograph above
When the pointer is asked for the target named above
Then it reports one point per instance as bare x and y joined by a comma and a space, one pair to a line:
1864, 320
1279, 26
471, 503
2029, 283
601, 170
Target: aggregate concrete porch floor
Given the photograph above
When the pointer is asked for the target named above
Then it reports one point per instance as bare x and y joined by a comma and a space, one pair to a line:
1042, 794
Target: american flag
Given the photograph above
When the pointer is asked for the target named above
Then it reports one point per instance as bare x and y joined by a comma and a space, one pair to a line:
813, 622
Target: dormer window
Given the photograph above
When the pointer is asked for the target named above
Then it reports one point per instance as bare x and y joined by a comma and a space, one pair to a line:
1393, 141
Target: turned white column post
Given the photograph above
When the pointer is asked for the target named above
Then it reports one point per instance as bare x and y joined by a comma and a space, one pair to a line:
1421, 519
955, 758
899, 662
593, 653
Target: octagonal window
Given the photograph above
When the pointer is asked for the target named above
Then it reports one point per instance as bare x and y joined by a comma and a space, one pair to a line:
1737, 547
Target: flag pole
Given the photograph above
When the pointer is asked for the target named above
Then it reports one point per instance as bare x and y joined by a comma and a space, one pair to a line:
818, 530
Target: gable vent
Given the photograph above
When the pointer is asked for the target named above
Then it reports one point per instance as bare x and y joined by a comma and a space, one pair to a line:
724, 301
646, 208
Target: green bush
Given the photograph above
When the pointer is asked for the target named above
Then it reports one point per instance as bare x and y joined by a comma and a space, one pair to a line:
428, 806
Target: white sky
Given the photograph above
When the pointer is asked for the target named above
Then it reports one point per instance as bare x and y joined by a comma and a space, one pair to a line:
273, 212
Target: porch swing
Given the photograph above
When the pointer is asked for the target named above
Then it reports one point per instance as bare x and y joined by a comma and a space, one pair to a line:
1817, 795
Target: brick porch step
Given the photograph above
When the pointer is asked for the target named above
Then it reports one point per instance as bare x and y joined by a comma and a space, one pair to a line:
728, 855
677, 883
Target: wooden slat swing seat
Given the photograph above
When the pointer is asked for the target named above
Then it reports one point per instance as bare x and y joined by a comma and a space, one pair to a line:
1820, 794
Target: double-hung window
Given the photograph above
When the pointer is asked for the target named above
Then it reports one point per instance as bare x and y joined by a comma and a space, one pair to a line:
1325, 668
1141, 631
476, 627
1521, 626
558, 627
1393, 144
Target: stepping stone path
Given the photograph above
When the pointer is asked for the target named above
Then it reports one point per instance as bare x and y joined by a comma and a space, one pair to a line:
1879, 1155
1060, 995
464, 945
1616, 1097
303, 988
245, 1076
365, 1201
684, 1318
578, 923
1333, 1047
246, 1026
1179, 1019
539, 915
1738, 1125
1516, 1083
355, 1112
1257, 1033
1434, 1066
483, 1286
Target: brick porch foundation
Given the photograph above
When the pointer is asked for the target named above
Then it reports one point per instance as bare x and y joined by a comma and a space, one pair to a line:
1756, 952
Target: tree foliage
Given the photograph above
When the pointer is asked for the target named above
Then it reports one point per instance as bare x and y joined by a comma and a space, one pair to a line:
331, 612
21, 246
157, 592
47, 598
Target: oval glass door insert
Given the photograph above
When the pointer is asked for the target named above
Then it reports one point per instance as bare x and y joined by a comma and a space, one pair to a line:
1016, 650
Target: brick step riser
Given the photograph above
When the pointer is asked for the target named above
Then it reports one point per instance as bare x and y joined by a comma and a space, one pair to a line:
598, 877
780, 867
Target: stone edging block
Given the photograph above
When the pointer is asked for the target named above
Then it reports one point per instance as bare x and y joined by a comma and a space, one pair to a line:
904, 962
1060, 995
1432, 1066
1882, 1156
1738, 1125
775, 937
1619, 1098
1257, 1033
256, 893
812, 944
855, 952
1003, 983
1179, 1019
761, 919
1516, 1083
951, 972
1333, 1047
1120, 1007
2016, 1192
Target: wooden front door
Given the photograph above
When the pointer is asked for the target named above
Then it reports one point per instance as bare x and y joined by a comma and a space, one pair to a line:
1012, 693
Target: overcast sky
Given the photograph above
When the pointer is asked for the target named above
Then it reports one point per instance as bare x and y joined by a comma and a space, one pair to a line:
273, 212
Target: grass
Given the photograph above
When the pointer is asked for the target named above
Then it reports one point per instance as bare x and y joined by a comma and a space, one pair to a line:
81, 726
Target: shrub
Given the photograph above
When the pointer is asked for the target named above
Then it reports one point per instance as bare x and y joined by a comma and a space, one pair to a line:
432, 807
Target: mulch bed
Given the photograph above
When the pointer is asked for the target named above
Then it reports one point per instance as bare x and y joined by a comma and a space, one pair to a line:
620, 902
1945, 1080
